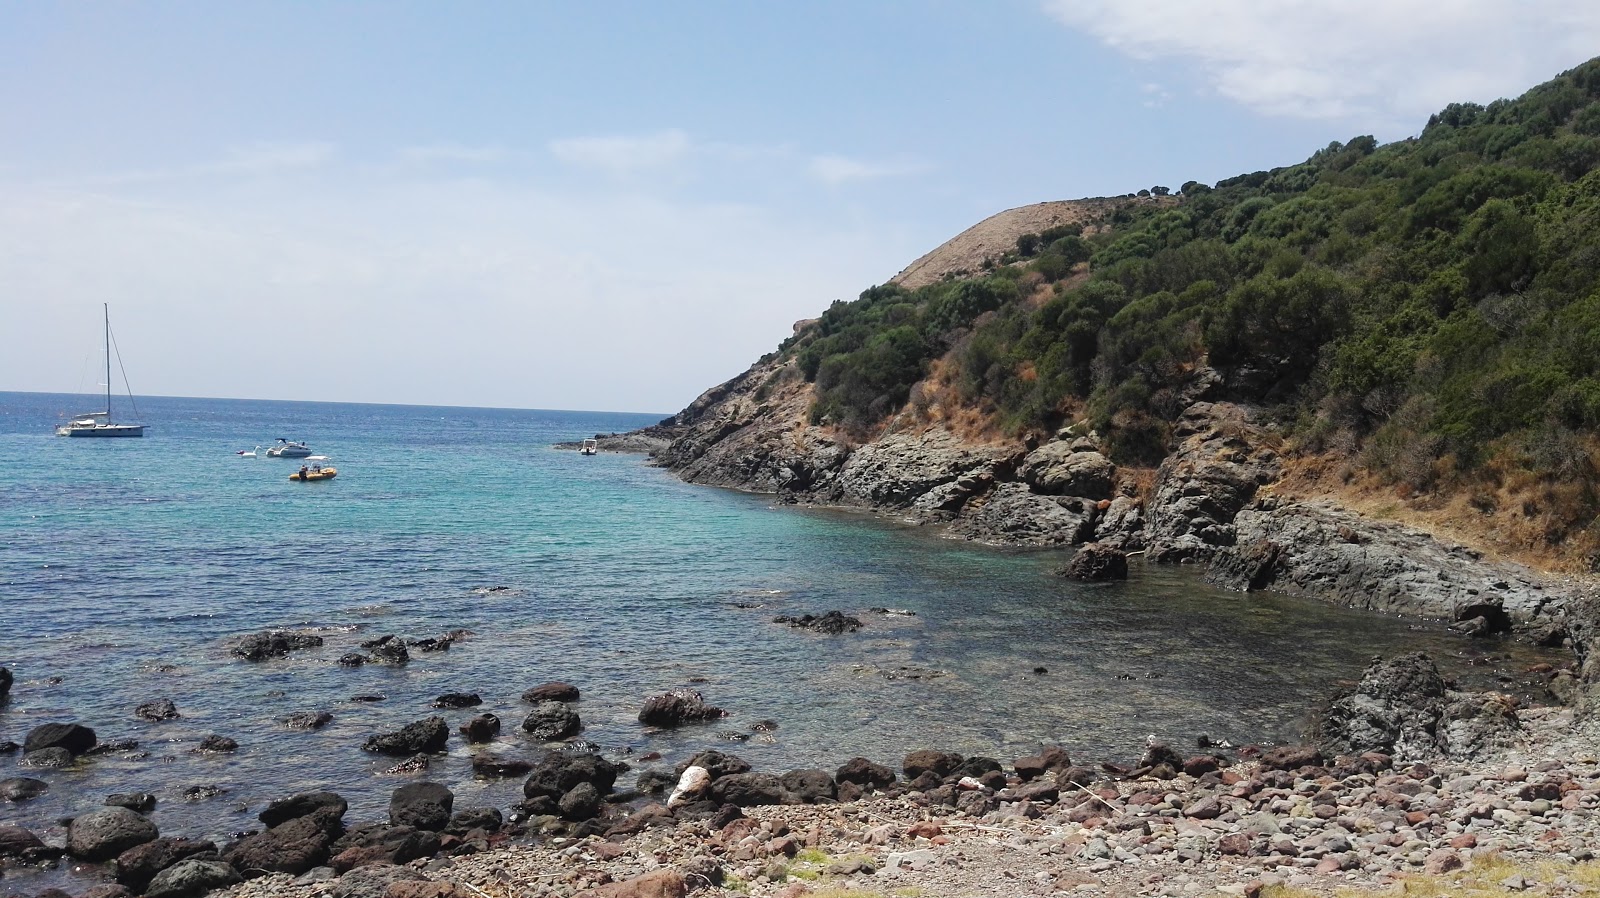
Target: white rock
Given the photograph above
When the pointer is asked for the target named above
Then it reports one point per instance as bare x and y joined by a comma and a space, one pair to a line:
694, 781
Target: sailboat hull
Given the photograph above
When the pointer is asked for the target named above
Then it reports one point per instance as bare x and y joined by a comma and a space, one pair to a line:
102, 430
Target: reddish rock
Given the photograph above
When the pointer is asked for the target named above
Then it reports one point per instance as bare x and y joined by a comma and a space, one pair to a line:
655, 884
1441, 861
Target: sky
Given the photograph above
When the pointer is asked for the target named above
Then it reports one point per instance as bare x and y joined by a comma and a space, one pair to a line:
616, 206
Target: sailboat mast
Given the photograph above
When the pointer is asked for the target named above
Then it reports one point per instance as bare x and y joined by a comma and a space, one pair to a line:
106, 307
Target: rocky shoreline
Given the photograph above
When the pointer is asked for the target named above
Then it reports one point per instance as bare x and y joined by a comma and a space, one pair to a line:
1407, 774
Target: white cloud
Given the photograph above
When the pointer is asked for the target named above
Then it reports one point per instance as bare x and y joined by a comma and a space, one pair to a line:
624, 155
452, 152
835, 170
1387, 63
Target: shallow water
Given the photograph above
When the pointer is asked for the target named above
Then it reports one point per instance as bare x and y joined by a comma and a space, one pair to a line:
126, 566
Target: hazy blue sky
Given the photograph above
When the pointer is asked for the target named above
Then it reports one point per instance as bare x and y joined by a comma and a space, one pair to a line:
617, 205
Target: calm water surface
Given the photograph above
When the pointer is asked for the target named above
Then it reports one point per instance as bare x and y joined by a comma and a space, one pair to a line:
127, 566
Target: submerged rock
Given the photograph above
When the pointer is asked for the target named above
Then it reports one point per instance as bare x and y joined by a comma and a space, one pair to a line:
552, 720
482, 728
156, 711
141, 802
1098, 561
553, 691
677, 707
306, 720
22, 788
273, 644
458, 700
389, 649
832, 623
422, 736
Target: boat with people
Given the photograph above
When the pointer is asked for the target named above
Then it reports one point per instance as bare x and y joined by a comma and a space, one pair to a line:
589, 447
99, 424
286, 448
309, 473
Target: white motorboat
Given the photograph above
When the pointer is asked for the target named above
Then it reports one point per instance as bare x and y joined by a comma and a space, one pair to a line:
589, 447
99, 424
289, 449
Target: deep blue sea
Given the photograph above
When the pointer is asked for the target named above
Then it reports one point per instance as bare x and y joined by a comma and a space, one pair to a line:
127, 566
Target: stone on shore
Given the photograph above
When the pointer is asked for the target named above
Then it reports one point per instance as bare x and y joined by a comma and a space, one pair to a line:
18, 842
422, 805
192, 878
373, 881
559, 772
293, 846
102, 835
140, 864
863, 772
665, 883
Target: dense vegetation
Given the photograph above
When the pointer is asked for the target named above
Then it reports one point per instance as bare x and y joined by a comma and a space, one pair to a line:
1434, 302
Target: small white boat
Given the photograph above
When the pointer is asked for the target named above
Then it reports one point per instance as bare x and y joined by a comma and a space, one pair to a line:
250, 453
589, 447
288, 449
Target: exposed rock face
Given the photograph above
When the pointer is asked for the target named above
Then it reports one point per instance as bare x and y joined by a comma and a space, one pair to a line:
1219, 462
1015, 515
1319, 550
1062, 469
1098, 561
1403, 707
833, 623
900, 469
104, 834
1582, 625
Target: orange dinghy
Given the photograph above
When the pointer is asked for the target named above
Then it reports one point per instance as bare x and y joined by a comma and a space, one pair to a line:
305, 475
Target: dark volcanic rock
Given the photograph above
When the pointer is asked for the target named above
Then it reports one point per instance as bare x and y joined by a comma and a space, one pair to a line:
75, 738
306, 720
863, 772
137, 866
458, 700
18, 842
810, 786
292, 847
1290, 757
22, 788
749, 789
382, 843
468, 819
5, 683
353, 659
832, 623
554, 776
141, 802
553, 691
273, 644
156, 711
421, 805
427, 735
104, 834
1098, 561
300, 805
1403, 707
716, 763
389, 649
192, 878
482, 728
218, 744
940, 764
114, 745
581, 802
493, 767
552, 720
677, 707
47, 759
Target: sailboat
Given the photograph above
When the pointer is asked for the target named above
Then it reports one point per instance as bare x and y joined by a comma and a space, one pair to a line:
99, 424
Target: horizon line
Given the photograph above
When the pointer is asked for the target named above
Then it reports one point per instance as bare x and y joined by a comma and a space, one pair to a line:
495, 408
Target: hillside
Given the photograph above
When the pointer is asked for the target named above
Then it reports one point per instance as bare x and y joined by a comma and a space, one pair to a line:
1372, 376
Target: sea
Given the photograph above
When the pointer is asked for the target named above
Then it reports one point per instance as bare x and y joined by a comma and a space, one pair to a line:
128, 568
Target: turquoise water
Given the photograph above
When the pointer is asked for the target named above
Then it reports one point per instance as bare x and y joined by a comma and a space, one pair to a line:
126, 566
